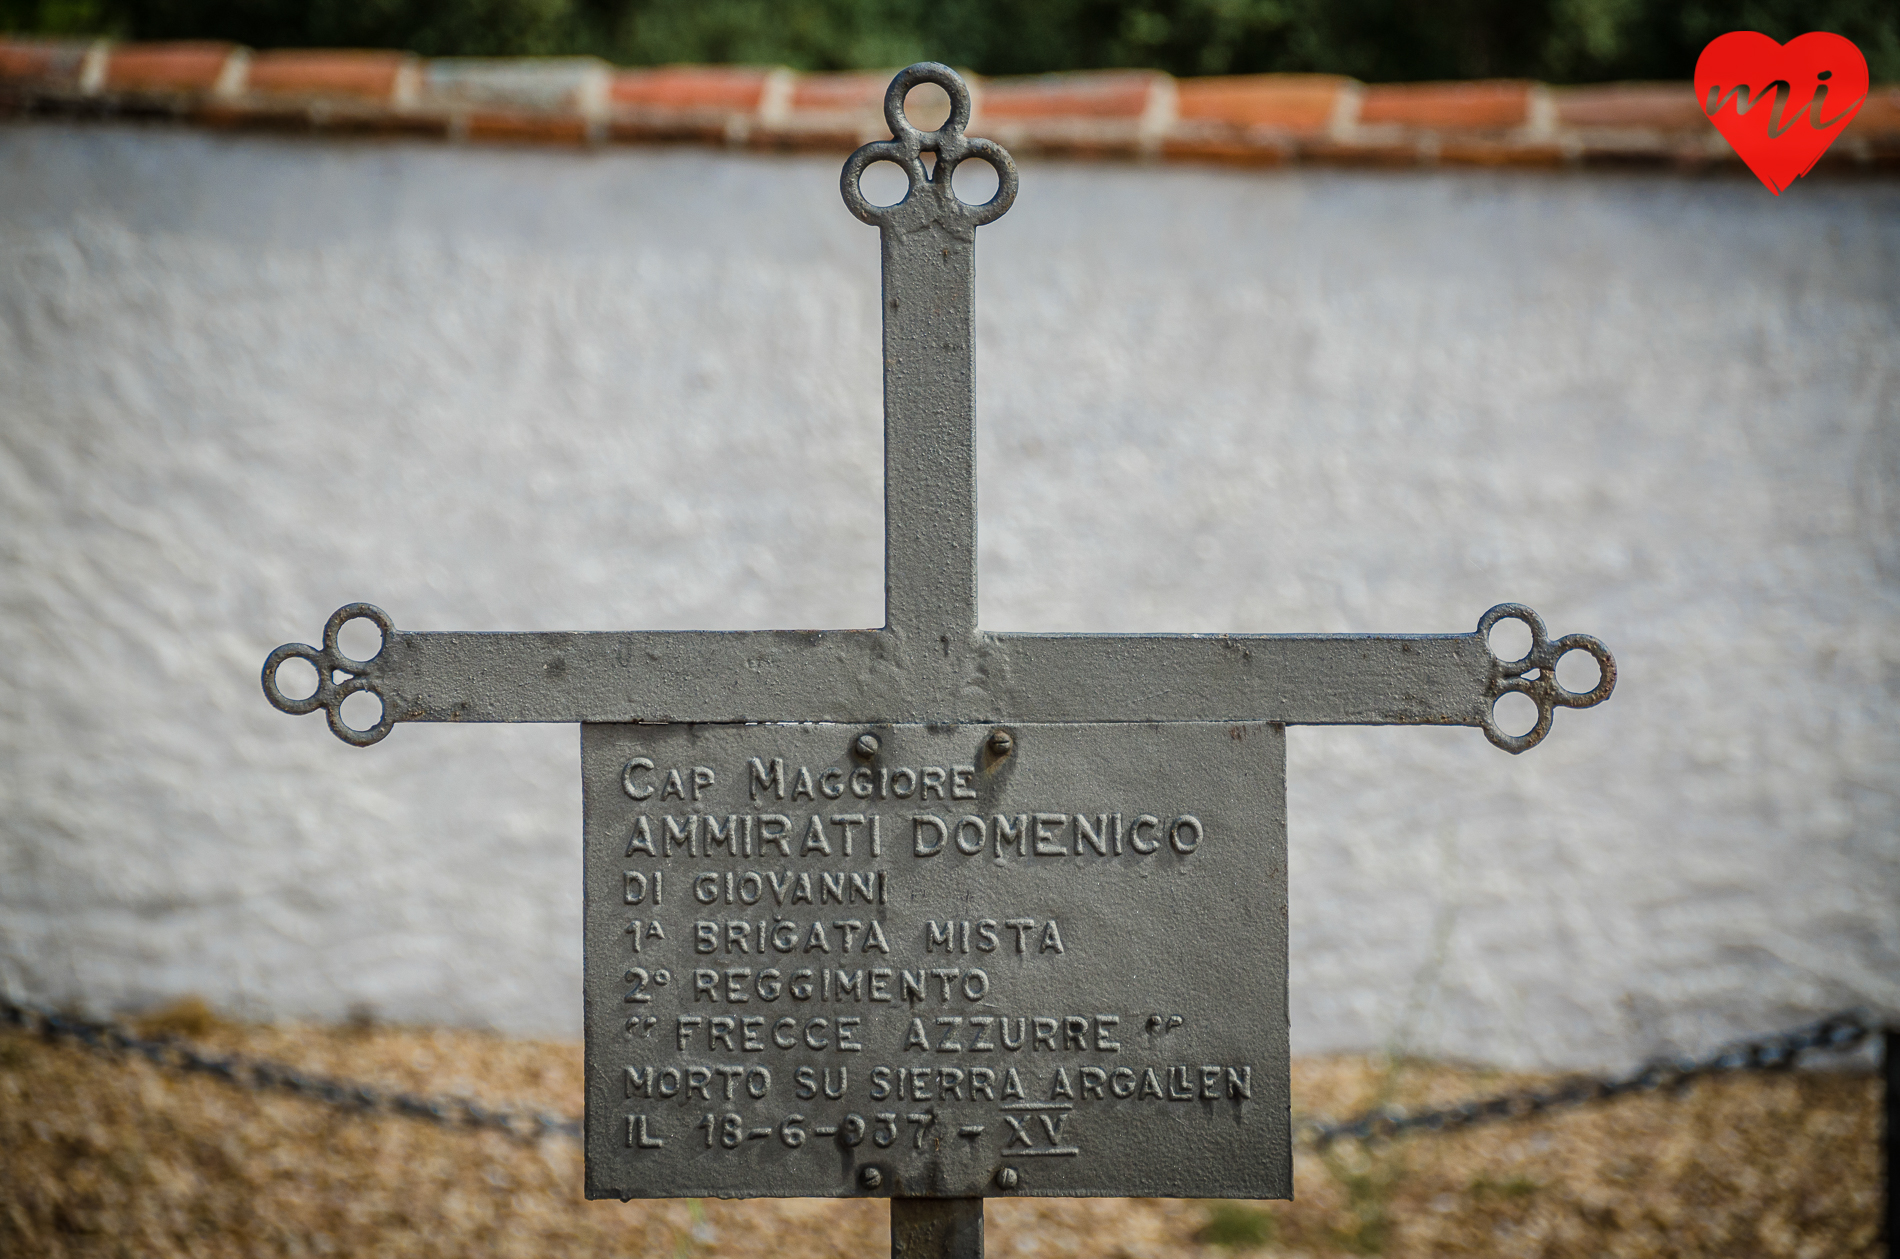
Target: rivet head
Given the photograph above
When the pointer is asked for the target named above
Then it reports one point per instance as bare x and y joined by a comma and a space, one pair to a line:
1007, 1178
1002, 743
870, 1177
866, 746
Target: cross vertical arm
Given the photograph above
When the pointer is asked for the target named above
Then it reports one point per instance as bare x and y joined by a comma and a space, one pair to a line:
929, 287
936, 1228
928, 298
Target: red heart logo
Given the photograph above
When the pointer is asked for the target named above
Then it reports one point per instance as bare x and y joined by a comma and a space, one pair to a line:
1812, 85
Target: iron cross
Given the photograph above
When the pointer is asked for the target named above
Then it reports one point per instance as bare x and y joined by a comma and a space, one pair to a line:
930, 911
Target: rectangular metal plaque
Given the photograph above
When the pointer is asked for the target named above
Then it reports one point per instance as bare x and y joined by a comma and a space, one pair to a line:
937, 962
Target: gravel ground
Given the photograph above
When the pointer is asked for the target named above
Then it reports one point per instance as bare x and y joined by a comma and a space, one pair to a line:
102, 1156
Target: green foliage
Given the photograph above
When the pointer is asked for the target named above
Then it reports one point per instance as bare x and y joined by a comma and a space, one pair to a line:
1511, 1188
59, 17
1370, 1178
1236, 1226
1560, 41
803, 34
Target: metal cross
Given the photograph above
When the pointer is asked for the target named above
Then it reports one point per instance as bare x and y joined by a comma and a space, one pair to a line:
931, 665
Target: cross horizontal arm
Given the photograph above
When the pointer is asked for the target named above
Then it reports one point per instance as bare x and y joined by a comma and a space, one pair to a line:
770, 675
858, 676
1296, 679
870, 676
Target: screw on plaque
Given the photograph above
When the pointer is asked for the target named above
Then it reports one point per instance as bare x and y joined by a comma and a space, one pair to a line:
1002, 743
870, 1178
1008, 1178
866, 746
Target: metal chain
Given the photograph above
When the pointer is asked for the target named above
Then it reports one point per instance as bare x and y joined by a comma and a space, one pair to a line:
519, 1122
1779, 1051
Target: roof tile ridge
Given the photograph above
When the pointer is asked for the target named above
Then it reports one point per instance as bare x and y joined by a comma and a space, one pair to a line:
1115, 114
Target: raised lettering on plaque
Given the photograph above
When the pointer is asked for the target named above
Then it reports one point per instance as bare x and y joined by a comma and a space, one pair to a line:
937, 951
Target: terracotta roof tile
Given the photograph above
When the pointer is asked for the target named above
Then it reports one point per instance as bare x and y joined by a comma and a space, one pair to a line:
519, 84
1107, 94
1485, 103
50, 61
1665, 106
839, 93
1297, 104
1878, 118
185, 66
364, 75
737, 88
1250, 120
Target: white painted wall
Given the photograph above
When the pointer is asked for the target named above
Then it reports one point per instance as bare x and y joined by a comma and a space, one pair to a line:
244, 381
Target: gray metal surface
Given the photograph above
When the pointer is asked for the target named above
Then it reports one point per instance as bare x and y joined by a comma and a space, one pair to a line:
937, 1228
761, 833
929, 309
1051, 963
873, 675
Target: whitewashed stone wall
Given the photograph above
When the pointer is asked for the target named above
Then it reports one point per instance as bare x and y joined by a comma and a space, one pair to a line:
244, 381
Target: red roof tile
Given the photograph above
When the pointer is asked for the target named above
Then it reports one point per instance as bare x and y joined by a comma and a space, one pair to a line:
173, 67
1298, 104
371, 76
1485, 103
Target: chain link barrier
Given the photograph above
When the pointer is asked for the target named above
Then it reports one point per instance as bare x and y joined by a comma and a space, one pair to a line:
520, 1122
1780, 1051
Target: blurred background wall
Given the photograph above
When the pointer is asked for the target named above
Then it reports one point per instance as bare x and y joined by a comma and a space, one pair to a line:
244, 381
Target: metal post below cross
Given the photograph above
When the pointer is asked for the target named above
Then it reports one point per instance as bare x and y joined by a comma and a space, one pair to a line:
936, 1228
931, 912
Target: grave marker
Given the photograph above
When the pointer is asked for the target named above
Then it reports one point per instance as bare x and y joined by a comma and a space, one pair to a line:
926, 911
